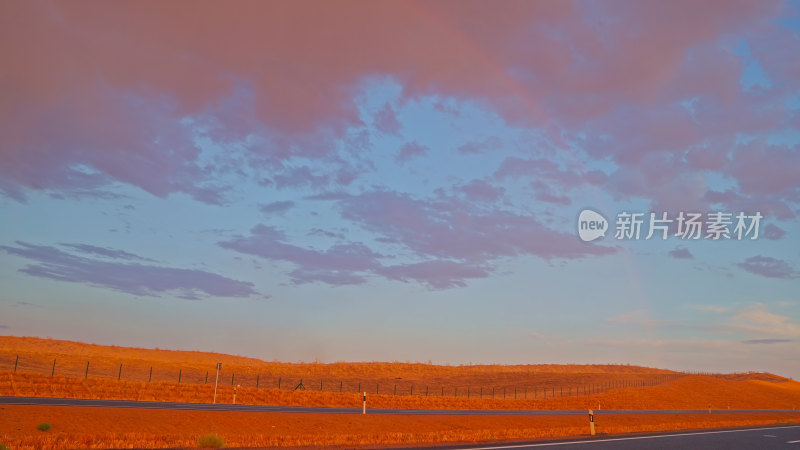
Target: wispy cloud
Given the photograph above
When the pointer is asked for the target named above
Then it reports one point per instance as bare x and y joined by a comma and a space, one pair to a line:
766, 341
757, 321
129, 277
769, 267
276, 207
681, 253
710, 308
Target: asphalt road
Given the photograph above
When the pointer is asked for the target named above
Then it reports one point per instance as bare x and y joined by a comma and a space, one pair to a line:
777, 437
46, 401
766, 438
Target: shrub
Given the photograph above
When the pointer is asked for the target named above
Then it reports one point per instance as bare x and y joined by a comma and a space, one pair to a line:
44, 426
3, 447
210, 441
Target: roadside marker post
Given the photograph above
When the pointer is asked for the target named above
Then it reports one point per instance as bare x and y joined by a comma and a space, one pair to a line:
364, 409
234, 392
216, 382
591, 422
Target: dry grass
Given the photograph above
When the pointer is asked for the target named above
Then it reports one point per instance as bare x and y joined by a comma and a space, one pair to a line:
37, 355
690, 392
120, 428
758, 391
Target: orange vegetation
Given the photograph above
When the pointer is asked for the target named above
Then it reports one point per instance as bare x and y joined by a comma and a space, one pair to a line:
112, 427
619, 386
689, 392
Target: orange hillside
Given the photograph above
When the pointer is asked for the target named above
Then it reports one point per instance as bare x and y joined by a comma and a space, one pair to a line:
38, 355
464, 387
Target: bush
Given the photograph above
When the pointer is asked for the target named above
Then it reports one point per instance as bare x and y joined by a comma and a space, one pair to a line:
44, 426
3, 447
210, 441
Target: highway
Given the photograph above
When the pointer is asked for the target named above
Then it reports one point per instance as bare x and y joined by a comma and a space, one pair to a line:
761, 438
772, 437
47, 401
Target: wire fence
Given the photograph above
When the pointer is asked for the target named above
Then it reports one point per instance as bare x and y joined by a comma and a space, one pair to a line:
244, 376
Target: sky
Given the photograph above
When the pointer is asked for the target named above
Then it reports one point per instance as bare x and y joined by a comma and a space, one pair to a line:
402, 181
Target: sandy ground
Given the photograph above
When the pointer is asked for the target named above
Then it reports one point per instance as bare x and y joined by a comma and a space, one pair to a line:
77, 427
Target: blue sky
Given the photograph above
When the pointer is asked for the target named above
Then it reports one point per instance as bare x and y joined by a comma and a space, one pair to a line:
402, 183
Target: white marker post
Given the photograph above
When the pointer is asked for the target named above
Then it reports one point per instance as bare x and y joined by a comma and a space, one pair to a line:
591, 422
364, 410
219, 367
234, 392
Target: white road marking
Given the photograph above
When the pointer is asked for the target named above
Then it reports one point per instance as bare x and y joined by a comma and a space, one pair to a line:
632, 438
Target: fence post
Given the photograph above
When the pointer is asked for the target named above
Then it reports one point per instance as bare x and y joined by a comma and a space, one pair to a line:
320, 385
359, 386
340, 386
54, 368
504, 393
119, 375
442, 391
377, 388
426, 390
15, 363
412, 390
86, 375
151, 375
279, 382
233, 377
206, 377
395, 389
180, 372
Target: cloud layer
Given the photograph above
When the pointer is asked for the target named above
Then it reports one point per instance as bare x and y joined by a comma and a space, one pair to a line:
117, 273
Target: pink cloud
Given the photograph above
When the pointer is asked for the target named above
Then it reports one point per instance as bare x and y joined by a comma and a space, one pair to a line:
681, 253
436, 274
340, 264
386, 120
411, 150
276, 207
447, 228
481, 190
763, 169
768, 267
476, 147
125, 272
774, 232
108, 86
